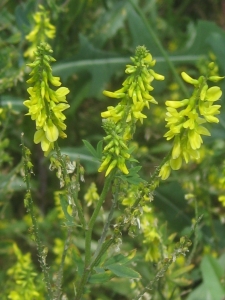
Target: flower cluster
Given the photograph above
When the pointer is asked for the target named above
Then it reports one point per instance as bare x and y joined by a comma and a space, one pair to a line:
185, 118
45, 104
115, 152
91, 196
134, 96
42, 31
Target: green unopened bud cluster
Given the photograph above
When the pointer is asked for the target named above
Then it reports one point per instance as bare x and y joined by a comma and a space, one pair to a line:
45, 104
115, 152
185, 121
134, 96
42, 31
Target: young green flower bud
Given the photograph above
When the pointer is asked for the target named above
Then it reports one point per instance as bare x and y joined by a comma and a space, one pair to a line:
189, 79
215, 78
111, 167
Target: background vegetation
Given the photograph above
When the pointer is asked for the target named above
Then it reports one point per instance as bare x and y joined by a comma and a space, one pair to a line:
93, 43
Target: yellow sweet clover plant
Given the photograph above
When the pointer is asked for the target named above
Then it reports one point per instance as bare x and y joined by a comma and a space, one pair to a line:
22, 278
43, 31
185, 121
119, 121
46, 105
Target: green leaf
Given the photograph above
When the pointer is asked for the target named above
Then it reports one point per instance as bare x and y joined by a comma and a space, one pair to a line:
109, 23
90, 148
120, 258
212, 287
181, 271
101, 277
212, 273
64, 204
122, 271
99, 149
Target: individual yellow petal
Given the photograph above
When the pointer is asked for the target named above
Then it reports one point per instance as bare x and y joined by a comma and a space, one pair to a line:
165, 171
213, 94
51, 132
176, 163
38, 136
176, 148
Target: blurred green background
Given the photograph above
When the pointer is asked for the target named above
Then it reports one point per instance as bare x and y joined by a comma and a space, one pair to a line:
93, 43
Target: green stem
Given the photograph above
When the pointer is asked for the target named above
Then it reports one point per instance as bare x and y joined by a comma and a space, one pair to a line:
103, 249
106, 226
72, 192
88, 236
161, 49
57, 293
30, 207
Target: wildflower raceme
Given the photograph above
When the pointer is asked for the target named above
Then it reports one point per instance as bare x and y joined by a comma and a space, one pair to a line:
185, 121
42, 31
119, 121
46, 105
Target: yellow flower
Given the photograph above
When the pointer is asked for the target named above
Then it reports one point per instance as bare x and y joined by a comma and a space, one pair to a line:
185, 118
42, 31
134, 97
46, 105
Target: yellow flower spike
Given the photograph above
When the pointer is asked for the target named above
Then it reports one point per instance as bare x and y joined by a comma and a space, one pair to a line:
213, 94
41, 32
111, 167
47, 114
189, 79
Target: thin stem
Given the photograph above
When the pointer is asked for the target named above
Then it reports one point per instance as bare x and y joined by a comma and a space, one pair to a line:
164, 53
88, 236
106, 226
30, 207
57, 293
94, 216
102, 251
73, 193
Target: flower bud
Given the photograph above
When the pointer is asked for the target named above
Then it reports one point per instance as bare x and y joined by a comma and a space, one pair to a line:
189, 79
